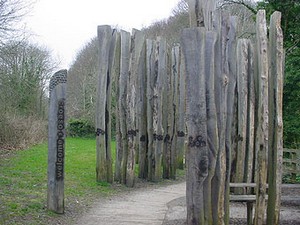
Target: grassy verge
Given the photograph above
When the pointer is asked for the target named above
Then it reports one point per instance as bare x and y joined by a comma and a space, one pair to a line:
23, 183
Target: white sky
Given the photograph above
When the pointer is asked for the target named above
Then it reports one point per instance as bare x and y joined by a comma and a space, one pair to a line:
65, 26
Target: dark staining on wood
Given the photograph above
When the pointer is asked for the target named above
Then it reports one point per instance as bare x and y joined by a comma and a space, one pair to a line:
167, 138
197, 142
132, 133
99, 132
158, 137
180, 134
143, 138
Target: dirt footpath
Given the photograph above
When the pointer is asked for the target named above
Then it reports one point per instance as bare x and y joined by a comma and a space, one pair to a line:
166, 205
141, 206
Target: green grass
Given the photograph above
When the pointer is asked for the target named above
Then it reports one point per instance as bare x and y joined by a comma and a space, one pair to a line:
23, 182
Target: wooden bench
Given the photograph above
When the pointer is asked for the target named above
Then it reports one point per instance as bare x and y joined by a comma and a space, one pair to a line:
251, 198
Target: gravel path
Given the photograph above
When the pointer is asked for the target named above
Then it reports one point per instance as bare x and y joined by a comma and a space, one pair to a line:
142, 206
166, 205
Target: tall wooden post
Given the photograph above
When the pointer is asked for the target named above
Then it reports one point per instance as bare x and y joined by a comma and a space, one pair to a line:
242, 88
124, 73
232, 61
106, 40
168, 118
222, 26
151, 75
116, 87
175, 71
181, 128
262, 116
136, 66
158, 135
142, 109
200, 12
56, 142
212, 126
193, 45
276, 60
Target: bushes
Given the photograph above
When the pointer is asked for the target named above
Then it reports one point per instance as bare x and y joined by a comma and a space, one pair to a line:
80, 128
18, 131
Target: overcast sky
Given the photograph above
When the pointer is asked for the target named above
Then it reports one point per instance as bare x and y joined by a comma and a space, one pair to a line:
64, 26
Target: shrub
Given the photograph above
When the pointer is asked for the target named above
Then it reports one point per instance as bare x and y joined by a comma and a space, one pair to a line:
80, 128
18, 131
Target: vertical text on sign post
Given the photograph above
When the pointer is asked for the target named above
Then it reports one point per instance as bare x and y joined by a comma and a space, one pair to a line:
60, 140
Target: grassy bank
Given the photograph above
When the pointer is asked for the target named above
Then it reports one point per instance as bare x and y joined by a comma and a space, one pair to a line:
23, 183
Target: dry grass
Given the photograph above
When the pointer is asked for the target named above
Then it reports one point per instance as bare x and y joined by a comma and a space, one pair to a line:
20, 132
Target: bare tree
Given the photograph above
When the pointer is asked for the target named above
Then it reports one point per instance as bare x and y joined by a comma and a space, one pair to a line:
24, 71
11, 14
181, 7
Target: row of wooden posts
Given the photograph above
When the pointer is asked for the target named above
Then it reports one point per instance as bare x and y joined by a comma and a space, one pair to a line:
215, 95
150, 106
220, 95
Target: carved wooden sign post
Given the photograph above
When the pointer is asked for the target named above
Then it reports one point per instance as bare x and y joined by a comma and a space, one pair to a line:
56, 142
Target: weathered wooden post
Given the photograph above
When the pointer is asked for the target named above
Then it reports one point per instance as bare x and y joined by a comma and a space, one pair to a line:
136, 66
124, 71
181, 129
151, 76
212, 123
231, 51
242, 89
250, 153
107, 41
175, 71
276, 61
168, 118
56, 142
158, 135
193, 45
142, 108
262, 116
224, 48
115, 83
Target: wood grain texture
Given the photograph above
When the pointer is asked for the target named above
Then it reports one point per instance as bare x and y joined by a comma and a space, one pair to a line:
276, 61
124, 71
193, 47
151, 77
262, 110
56, 142
106, 41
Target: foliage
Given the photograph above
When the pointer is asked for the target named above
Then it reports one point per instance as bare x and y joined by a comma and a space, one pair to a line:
23, 183
82, 86
19, 131
290, 10
80, 128
24, 71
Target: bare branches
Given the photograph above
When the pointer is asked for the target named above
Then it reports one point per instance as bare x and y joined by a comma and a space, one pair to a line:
11, 14
181, 7
244, 3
